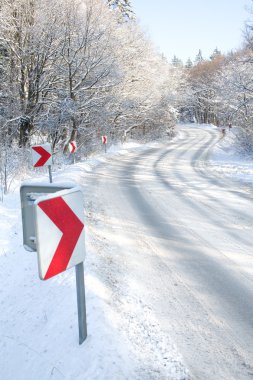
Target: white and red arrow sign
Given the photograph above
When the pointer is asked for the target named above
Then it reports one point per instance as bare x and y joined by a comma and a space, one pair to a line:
72, 146
42, 155
104, 139
59, 232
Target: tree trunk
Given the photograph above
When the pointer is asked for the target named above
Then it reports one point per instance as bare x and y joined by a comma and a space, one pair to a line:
25, 129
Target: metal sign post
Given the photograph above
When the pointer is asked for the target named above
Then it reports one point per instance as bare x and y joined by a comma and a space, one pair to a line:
53, 225
50, 173
81, 308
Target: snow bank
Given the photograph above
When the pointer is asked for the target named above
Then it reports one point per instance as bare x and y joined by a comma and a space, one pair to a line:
229, 160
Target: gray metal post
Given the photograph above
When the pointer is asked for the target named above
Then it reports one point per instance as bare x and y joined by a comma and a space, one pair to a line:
81, 307
50, 174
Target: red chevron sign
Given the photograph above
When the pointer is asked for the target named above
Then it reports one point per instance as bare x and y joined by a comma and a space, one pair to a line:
59, 232
104, 139
41, 155
72, 146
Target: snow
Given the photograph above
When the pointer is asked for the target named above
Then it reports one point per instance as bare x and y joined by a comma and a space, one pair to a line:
225, 159
38, 320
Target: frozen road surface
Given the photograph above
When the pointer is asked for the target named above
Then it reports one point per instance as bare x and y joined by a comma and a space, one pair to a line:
181, 239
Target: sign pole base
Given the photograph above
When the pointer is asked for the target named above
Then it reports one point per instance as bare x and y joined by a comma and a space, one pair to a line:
81, 306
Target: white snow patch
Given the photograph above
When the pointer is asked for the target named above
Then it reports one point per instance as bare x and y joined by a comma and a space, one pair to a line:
227, 160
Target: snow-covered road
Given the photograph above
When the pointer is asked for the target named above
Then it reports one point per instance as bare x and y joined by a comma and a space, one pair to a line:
168, 271
175, 243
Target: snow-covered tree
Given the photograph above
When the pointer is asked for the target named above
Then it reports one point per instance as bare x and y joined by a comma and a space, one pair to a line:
28, 37
145, 95
70, 70
237, 90
202, 81
189, 63
176, 61
87, 68
124, 7
215, 53
199, 58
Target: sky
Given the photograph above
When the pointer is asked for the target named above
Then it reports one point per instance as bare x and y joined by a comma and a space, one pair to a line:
182, 27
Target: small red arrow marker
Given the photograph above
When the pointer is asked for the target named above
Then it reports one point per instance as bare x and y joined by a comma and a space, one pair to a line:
70, 226
45, 155
104, 139
72, 147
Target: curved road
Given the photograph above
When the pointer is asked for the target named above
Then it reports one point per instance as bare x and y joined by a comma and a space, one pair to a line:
185, 236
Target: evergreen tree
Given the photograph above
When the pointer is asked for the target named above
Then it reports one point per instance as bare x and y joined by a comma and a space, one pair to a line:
189, 63
124, 7
176, 61
215, 54
199, 57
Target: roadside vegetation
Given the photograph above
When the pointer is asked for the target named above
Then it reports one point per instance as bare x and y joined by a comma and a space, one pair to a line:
80, 69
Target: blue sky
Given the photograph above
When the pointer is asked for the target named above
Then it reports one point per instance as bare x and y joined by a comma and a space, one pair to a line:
182, 27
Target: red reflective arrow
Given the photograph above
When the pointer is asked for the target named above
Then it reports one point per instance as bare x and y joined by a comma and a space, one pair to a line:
71, 227
44, 155
73, 145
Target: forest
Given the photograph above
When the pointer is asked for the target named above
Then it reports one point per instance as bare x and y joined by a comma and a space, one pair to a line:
74, 70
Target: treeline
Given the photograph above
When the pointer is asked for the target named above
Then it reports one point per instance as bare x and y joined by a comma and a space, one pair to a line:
77, 69
220, 89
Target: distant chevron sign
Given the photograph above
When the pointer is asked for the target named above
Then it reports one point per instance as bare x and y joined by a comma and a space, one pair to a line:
72, 146
41, 155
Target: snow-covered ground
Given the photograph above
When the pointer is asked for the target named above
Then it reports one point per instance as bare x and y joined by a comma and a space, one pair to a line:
38, 320
226, 159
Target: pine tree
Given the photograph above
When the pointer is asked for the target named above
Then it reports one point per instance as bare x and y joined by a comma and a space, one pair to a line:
124, 7
215, 54
189, 63
199, 57
176, 61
